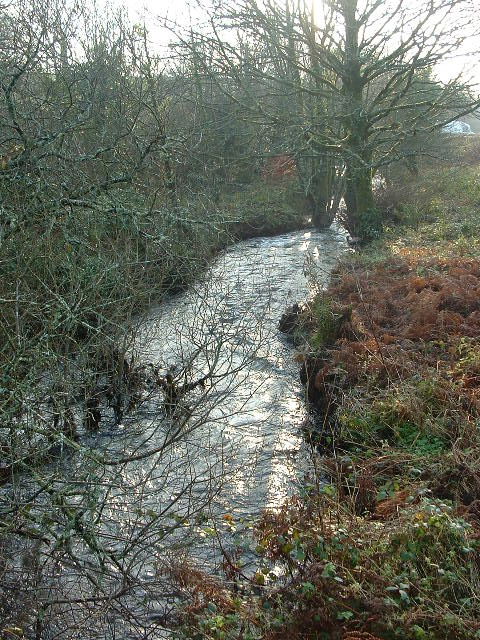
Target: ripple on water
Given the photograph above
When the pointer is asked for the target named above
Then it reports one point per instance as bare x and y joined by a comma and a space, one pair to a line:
240, 302
247, 448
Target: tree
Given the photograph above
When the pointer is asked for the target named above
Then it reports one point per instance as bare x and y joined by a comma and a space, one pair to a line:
381, 56
271, 71
354, 82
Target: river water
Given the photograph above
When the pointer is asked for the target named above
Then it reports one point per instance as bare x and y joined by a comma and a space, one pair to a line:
252, 414
240, 449
228, 449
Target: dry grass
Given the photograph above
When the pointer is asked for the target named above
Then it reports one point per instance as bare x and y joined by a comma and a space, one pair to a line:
389, 548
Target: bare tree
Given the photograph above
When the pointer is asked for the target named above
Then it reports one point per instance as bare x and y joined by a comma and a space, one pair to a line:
92, 232
356, 82
94, 523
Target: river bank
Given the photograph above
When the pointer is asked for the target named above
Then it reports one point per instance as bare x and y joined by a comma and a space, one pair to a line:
383, 542
392, 368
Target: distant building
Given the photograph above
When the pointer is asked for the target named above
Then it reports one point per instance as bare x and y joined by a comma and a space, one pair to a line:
457, 126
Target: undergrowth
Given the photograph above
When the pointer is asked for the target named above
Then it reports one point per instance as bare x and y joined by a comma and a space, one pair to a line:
384, 542
259, 208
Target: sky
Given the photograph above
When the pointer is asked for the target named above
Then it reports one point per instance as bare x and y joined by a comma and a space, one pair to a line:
182, 10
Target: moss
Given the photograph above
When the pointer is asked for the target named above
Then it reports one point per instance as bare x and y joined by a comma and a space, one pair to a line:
325, 321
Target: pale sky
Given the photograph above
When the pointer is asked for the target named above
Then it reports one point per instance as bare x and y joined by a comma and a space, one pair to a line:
182, 10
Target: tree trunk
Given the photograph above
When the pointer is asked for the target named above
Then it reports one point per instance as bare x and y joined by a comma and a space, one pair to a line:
319, 198
361, 220
359, 200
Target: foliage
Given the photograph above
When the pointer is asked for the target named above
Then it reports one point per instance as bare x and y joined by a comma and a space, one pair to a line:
322, 574
383, 543
263, 209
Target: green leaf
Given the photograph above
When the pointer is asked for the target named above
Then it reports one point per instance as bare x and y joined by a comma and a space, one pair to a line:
300, 554
344, 615
308, 588
329, 571
404, 595
259, 578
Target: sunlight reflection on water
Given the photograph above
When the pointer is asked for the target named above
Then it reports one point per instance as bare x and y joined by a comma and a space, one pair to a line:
245, 451
258, 417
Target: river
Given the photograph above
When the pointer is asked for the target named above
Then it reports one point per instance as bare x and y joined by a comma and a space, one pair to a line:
254, 412
230, 447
